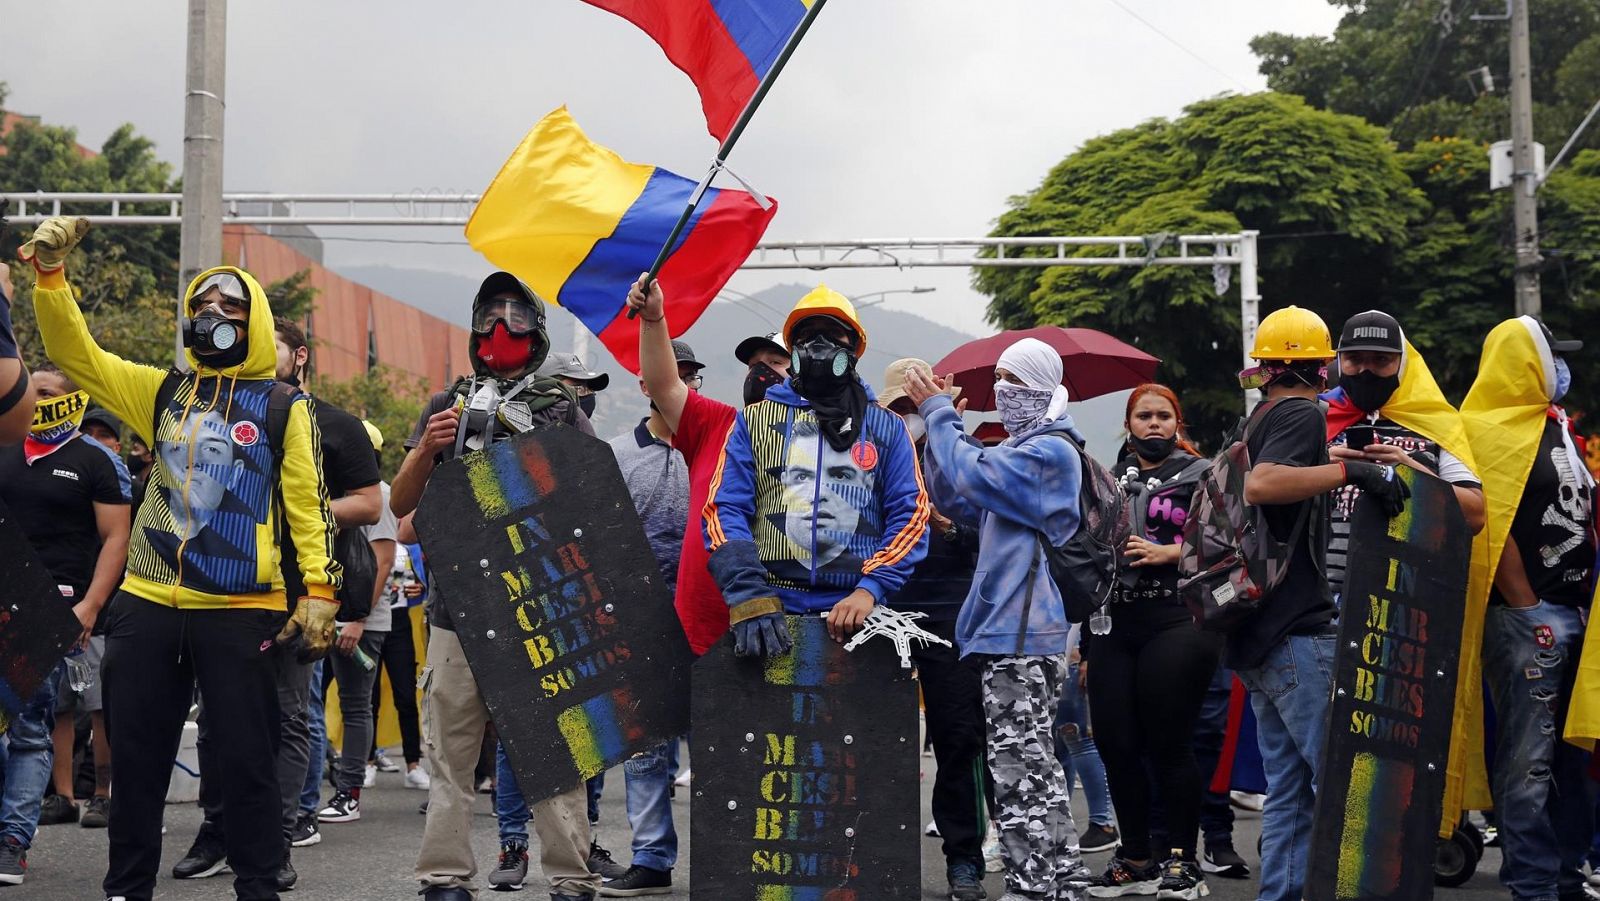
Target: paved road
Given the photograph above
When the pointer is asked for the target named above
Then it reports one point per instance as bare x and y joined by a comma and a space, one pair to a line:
372, 859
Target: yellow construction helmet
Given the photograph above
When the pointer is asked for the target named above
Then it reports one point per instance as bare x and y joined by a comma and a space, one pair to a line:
1292, 333
824, 301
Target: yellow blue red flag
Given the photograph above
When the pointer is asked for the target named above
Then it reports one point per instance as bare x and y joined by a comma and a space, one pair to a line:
578, 224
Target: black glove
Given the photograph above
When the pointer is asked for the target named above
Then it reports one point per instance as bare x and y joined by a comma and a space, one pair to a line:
764, 636
1381, 483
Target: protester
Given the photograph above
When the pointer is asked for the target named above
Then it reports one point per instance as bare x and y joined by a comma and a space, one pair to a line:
1540, 556
66, 495
400, 664
354, 663
203, 597
507, 344
1293, 631
952, 687
699, 427
585, 384
103, 426
1021, 492
837, 470
350, 479
1148, 675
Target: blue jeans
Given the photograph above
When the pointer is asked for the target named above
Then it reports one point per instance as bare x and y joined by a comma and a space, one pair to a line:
1077, 752
1210, 733
317, 723
27, 763
510, 808
1541, 792
649, 780
593, 786
1290, 694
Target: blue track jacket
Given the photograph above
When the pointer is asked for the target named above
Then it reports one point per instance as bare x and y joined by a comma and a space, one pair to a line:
1010, 493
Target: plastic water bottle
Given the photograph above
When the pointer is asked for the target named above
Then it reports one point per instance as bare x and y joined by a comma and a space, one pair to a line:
80, 675
1100, 622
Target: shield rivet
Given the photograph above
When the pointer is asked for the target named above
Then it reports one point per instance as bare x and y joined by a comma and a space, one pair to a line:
489, 634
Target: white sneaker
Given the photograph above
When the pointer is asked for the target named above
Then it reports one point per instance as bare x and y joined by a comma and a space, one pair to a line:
418, 778
683, 778
371, 778
1247, 800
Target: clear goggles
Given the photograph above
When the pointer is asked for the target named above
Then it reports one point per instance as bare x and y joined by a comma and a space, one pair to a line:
519, 317
227, 284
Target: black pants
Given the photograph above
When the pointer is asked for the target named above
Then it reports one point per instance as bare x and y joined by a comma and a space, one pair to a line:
154, 656
400, 662
952, 692
1146, 685
293, 681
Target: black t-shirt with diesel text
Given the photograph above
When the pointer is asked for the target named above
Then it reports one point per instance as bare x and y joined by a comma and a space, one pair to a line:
1554, 525
1293, 433
348, 464
53, 500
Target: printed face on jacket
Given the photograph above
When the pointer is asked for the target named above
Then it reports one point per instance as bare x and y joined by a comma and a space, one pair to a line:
825, 495
207, 477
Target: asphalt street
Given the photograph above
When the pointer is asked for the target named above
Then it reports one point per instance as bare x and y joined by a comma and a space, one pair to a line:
372, 858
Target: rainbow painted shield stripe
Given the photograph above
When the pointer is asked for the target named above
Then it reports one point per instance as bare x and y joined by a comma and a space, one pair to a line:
509, 477
806, 664
725, 46
1370, 856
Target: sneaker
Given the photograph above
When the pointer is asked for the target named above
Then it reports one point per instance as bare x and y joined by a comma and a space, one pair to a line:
96, 813
384, 764
370, 777
512, 870
1247, 800
966, 881
57, 809
1122, 878
305, 832
993, 862
206, 857
447, 893
683, 778
1098, 838
13, 861
931, 830
417, 777
601, 864
1221, 859
638, 881
1181, 879
343, 808
486, 787
287, 877
1594, 877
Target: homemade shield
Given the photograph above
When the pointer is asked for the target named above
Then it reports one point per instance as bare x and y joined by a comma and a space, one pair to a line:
805, 773
565, 620
36, 623
1381, 787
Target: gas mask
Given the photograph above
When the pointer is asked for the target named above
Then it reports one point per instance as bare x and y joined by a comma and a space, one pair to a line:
218, 341
822, 365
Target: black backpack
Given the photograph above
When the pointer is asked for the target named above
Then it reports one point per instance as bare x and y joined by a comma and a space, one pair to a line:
1084, 567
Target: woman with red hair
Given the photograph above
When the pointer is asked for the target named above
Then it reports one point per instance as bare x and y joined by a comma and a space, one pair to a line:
1148, 676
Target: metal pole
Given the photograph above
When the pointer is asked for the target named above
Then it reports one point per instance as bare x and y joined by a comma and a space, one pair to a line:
200, 241
1249, 306
1525, 178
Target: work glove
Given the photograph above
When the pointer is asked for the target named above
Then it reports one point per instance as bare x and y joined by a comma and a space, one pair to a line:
309, 631
1381, 483
759, 628
52, 241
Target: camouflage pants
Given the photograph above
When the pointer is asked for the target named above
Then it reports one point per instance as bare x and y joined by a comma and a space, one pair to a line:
1037, 836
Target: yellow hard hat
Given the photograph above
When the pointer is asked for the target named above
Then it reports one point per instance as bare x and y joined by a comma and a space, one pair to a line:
1292, 333
373, 435
824, 301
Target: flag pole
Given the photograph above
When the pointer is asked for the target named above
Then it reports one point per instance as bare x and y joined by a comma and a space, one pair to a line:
727, 143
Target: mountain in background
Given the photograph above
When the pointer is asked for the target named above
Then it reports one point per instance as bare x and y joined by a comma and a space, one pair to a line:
891, 335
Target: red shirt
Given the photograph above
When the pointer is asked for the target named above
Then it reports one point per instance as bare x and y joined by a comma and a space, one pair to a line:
701, 437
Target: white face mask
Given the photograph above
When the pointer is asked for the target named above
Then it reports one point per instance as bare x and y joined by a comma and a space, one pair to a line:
916, 425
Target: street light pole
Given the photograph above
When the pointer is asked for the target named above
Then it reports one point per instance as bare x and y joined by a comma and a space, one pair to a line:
200, 235
882, 294
1525, 177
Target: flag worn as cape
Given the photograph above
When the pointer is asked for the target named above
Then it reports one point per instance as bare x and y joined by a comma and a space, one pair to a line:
579, 224
1504, 414
1417, 404
725, 46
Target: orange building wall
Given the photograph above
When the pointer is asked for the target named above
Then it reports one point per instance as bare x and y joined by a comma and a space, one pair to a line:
407, 338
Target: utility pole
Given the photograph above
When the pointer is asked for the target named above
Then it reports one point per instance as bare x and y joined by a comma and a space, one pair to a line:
200, 241
1525, 175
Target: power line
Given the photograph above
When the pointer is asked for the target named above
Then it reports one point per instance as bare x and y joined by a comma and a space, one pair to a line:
1174, 42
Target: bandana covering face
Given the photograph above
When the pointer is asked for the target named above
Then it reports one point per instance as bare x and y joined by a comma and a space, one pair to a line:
1020, 407
55, 420
1041, 397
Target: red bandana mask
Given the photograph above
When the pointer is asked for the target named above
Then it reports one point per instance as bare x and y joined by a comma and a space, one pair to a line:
504, 352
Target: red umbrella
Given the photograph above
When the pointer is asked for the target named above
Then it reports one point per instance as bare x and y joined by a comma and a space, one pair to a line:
1092, 363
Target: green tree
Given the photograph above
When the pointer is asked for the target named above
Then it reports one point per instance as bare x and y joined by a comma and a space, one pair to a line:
388, 398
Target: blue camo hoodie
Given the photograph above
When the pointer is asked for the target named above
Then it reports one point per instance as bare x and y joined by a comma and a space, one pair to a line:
1010, 493
790, 516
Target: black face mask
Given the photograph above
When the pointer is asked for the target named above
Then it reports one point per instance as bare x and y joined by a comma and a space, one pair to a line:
586, 404
292, 378
756, 383
1368, 390
821, 365
1155, 448
826, 376
218, 341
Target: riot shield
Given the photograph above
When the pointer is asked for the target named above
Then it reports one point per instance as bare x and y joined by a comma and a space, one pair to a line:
565, 620
1381, 786
36, 623
805, 773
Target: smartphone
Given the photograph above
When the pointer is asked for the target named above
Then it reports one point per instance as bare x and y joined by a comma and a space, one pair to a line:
1357, 437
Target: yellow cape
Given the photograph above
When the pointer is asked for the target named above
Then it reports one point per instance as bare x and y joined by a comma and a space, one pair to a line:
1505, 415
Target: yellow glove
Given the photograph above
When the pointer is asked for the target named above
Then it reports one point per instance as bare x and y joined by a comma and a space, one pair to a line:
310, 630
52, 241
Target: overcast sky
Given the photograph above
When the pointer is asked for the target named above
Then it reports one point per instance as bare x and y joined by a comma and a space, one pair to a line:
906, 118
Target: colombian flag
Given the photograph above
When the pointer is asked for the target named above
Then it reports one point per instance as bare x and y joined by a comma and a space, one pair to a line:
725, 46
578, 224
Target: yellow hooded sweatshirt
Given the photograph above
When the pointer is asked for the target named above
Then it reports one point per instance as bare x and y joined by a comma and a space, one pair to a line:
1505, 415
206, 535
